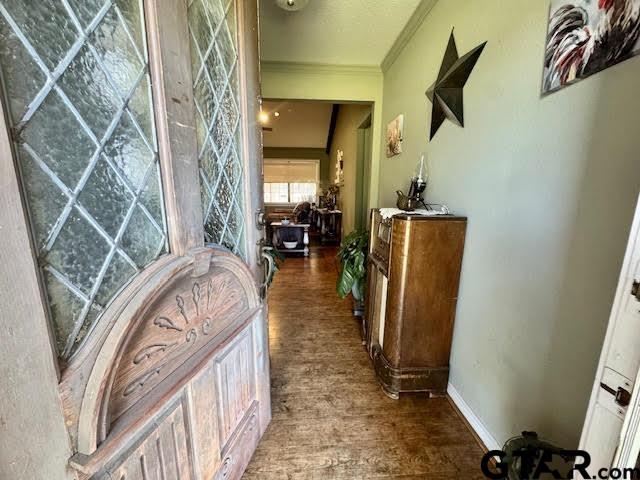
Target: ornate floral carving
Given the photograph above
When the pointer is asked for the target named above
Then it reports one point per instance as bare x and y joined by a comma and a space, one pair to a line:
164, 322
209, 292
195, 290
192, 336
164, 348
140, 381
180, 304
150, 350
207, 324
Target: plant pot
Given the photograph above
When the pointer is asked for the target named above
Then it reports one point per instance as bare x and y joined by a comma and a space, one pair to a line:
358, 308
358, 300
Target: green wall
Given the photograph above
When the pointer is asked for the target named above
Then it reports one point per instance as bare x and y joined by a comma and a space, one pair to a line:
549, 185
307, 154
334, 83
350, 117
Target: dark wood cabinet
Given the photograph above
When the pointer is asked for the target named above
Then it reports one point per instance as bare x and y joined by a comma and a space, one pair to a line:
414, 271
329, 224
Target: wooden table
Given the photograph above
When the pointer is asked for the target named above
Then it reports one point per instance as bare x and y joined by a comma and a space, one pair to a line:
303, 244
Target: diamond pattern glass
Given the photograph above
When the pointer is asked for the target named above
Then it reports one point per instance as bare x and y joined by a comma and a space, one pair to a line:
86, 10
88, 88
214, 55
78, 91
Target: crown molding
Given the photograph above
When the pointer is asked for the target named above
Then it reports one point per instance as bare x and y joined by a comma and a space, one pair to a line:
422, 10
324, 68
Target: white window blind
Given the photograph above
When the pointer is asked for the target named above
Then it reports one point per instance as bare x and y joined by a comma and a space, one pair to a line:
291, 171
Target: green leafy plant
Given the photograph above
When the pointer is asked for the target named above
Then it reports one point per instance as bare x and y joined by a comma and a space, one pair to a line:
273, 257
353, 257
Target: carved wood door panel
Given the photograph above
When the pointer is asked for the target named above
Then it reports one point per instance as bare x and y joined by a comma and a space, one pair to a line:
134, 128
174, 382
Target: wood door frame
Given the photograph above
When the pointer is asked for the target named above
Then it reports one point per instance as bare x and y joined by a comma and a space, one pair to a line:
170, 68
22, 293
363, 174
250, 104
172, 83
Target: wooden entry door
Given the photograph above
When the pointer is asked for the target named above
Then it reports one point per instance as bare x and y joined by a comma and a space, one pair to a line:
131, 128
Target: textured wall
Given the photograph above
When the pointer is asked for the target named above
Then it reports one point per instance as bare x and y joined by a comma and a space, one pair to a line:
549, 186
346, 32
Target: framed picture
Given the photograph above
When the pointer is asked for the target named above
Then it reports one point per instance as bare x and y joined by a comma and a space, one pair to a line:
587, 36
394, 136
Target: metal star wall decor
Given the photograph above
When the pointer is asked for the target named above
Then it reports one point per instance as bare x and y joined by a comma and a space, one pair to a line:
446, 93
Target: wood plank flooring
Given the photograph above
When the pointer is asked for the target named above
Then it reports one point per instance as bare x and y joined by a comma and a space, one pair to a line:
330, 417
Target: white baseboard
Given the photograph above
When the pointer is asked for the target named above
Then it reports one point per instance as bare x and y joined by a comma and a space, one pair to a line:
480, 428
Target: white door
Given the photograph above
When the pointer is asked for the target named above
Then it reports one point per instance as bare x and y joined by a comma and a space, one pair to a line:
619, 365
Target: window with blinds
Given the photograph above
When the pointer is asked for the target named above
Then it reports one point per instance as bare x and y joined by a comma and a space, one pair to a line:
291, 181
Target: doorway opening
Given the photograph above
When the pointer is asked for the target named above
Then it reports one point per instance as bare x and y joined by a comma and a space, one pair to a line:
317, 172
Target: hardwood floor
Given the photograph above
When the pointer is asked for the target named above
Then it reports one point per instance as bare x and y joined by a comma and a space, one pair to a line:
330, 417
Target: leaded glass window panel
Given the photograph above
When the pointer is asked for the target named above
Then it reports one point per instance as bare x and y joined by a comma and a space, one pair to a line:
214, 57
77, 88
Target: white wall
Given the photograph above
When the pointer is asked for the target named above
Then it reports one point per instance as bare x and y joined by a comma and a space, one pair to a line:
549, 186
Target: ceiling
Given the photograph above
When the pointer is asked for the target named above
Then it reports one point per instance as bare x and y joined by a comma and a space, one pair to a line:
300, 124
340, 32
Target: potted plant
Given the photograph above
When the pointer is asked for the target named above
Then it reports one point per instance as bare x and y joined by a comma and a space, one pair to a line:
353, 256
272, 259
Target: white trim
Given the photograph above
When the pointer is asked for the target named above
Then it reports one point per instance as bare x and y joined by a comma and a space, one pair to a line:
309, 67
627, 451
476, 423
383, 310
407, 33
621, 291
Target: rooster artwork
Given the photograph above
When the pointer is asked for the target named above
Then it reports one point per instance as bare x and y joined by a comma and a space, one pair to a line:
587, 36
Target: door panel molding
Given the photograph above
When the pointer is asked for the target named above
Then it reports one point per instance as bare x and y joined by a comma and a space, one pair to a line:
161, 446
184, 335
235, 386
159, 328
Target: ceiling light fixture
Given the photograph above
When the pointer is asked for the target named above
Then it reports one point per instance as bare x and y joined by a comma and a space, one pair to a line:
292, 5
264, 117
276, 114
